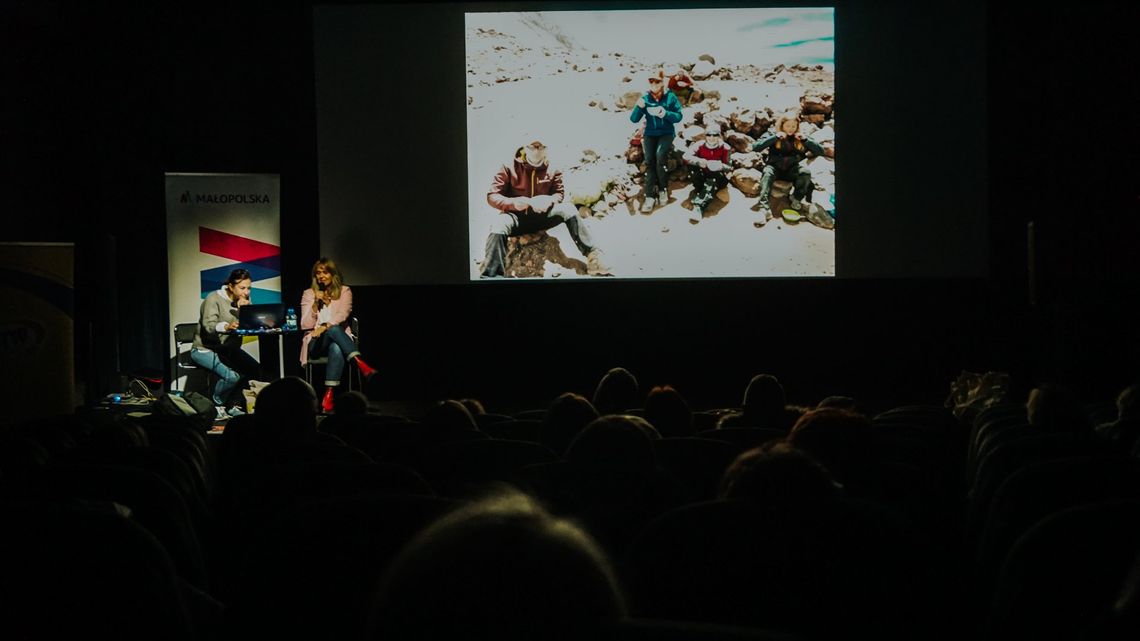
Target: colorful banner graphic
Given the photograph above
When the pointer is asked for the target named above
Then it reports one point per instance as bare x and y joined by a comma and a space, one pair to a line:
216, 223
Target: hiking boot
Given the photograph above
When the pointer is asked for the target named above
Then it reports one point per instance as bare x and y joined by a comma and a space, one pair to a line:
696, 214
662, 197
594, 264
647, 206
795, 204
234, 411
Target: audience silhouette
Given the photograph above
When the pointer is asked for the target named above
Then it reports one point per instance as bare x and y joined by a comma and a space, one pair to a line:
501, 568
814, 523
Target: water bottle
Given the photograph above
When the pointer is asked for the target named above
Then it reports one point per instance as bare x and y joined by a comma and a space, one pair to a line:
831, 210
290, 320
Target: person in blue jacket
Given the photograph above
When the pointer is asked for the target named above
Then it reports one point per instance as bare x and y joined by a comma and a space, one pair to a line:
661, 110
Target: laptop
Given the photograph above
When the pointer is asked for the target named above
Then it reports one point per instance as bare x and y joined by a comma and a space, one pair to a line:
261, 319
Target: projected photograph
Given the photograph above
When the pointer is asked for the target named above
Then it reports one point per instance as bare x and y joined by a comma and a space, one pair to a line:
651, 144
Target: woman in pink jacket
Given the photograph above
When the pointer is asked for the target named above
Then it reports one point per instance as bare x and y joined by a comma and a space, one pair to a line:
326, 308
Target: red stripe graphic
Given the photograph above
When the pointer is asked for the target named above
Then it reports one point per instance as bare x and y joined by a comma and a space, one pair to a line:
219, 243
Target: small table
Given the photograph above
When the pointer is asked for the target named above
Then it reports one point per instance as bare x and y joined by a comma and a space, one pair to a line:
279, 333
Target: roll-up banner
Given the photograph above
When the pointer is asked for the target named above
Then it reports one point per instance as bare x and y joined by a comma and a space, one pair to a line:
37, 336
216, 223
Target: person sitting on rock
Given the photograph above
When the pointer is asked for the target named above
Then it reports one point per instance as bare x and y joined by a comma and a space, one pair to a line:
661, 110
530, 198
786, 148
681, 83
708, 166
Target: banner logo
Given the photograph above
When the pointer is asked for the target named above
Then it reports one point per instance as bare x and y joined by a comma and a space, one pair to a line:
224, 199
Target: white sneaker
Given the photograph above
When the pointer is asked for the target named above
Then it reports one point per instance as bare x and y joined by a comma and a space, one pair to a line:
234, 411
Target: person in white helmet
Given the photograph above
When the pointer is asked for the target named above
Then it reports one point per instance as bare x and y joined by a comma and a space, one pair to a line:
708, 165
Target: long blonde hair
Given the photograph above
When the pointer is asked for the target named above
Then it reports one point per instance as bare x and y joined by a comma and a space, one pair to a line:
334, 285
788, 116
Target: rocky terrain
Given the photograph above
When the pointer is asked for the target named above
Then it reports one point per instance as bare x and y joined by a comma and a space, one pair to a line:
534, 82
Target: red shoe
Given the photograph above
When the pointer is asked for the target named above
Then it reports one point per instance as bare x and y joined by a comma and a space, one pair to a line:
327, 401
365, 370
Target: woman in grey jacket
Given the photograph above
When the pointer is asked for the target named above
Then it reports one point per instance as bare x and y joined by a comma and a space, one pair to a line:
219, 351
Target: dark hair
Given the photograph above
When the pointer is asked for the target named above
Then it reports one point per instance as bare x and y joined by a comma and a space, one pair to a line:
839, 439
287, 410
616, 392
352, 404
764, 401
564, 420
616, 441
667, 411
778, 473
450, 415
503, 566
238, 275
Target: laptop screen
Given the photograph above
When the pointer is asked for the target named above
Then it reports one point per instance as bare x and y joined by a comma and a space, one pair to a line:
261, 317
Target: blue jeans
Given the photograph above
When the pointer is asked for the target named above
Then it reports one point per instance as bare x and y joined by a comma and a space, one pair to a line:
656, 149
337, 345
229, 366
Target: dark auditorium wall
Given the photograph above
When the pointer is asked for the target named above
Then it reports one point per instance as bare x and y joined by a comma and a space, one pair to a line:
107, 98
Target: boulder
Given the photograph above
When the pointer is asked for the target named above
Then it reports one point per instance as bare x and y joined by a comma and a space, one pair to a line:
719, 120
763, 121
703, 69
813, 118
699, 111
707, 58
738, 141
693, 134
781, 188
814, 103
746, 180
784, 78
586, 199
743, 121
634, 155
528, 255
825, 134
818, 216
747, 160
627, 100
